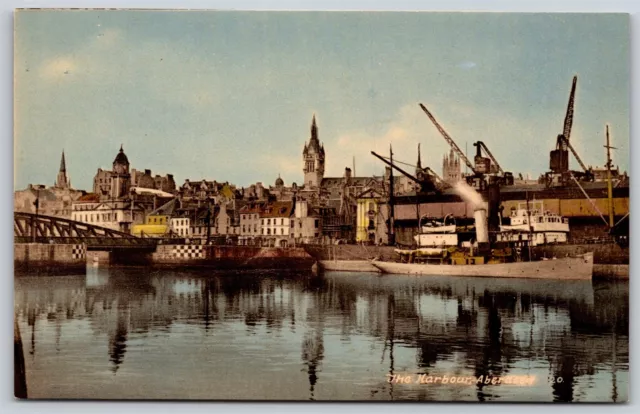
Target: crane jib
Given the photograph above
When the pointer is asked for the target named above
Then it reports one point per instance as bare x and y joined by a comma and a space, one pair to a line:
449, 140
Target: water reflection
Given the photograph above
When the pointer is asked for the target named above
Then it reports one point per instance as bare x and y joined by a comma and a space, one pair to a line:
338, 336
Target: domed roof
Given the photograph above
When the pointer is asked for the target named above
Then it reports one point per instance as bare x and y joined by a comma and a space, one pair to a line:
121, 158
279, 181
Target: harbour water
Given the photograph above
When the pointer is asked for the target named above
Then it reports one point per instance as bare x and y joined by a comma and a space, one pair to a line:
141, 334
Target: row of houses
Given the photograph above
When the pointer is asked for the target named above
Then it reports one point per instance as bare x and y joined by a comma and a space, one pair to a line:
273, 224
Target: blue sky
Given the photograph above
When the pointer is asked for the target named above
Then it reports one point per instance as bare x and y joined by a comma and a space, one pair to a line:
230, 95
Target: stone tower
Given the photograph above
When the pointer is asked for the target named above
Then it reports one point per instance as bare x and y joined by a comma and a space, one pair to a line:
451, 172
121, 179
61, 180
313, 158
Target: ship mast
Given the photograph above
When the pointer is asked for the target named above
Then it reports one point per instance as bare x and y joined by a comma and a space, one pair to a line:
392, 240
609, 185
530, 226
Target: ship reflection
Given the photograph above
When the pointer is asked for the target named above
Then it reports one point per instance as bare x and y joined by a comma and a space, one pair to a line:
486, 326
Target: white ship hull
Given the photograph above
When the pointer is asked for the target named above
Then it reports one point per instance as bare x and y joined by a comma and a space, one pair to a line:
348, 266
569, 268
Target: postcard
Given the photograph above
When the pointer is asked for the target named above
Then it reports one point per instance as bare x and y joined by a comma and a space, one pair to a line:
321, 206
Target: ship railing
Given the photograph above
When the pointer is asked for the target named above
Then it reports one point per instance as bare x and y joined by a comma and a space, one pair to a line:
594, 240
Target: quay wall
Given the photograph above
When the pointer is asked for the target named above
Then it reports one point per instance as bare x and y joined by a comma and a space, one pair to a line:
350, 252
49, 258
604, 254
231, 257
611, 271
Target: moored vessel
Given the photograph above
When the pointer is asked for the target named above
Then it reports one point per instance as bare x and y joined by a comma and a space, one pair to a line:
568, 268
443, 250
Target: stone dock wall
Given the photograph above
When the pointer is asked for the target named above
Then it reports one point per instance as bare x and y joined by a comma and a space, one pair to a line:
231, 257
49, 258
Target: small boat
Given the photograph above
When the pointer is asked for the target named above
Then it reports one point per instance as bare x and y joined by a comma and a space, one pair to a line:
445, 253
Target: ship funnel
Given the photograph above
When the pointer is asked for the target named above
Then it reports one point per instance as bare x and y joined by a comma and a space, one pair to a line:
482, 229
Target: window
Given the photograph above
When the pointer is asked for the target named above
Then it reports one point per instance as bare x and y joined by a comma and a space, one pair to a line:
263, 222
316, 223
292, 223
281, 222
255, 228
268, 231
243, 229
281, 230
268, 221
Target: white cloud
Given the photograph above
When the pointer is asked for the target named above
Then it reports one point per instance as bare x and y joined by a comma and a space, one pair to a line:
409, 127
57, 68
467, 65
517, 144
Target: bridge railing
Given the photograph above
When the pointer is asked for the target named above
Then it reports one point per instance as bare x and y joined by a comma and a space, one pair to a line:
89, 241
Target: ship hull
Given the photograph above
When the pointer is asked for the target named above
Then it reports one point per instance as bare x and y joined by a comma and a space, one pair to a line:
569, 268
348, 266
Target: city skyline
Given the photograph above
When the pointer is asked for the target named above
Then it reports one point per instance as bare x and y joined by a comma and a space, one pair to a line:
230, 95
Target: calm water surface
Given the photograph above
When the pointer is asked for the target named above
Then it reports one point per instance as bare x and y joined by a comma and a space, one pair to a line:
134, 333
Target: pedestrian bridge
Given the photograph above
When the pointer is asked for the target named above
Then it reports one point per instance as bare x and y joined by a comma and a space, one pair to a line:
37, 228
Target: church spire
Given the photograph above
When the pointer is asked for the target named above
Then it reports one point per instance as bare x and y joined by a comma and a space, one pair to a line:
63, 164
419, 165
62, 181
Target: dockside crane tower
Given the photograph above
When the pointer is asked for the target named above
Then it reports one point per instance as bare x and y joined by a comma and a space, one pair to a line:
560, 174
486, 170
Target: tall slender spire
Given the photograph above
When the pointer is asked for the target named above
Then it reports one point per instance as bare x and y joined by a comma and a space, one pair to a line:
63, 164
314, 128
62, 181
419, 165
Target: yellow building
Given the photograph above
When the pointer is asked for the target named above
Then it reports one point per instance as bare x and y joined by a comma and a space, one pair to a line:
370, 223
156, 225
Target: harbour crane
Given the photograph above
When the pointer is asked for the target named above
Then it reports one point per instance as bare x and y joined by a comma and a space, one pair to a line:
481, 145
482, 166
449, 140
425, 184
420, 172
559, 158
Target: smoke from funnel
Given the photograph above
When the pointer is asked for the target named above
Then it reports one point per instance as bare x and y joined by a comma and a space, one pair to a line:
468, 194
471, 196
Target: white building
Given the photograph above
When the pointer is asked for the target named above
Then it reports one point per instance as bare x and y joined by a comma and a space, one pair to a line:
180, 226
275, 221
305, 226
115, 215
250, 224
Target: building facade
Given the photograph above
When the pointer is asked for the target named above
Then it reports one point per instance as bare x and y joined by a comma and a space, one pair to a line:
275, 220
314, 158
305, 224
251, 224
451, 170
49, 201
120, 180
120, 215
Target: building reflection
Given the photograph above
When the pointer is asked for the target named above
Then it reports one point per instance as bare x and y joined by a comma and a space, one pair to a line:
487, 324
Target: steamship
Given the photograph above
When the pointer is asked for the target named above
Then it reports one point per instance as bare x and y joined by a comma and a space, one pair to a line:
444, 249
